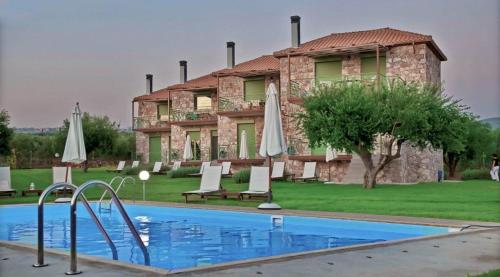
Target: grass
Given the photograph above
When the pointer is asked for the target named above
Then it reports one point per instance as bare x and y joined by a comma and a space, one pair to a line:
491, 273
469, 200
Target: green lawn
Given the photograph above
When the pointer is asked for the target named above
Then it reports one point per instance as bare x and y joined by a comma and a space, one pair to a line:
470, 200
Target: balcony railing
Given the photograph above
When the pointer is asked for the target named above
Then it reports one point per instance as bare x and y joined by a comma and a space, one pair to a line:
238, 104
144, 122
193, 114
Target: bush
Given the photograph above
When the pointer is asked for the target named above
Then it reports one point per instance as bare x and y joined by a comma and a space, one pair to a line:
183, 172
242, 176
476, 174
136, 170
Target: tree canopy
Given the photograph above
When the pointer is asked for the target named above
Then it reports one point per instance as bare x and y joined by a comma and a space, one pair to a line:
351, 115
5, 133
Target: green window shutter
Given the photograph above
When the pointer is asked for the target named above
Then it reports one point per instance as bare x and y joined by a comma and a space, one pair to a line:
195, 136
161, 110
328, 71
255, 90
321, 150
250, 130
154, 148
369, 66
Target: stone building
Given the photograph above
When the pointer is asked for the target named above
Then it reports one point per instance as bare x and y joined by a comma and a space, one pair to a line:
214, 109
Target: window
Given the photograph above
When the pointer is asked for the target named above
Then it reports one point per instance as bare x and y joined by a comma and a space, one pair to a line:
250, 130
255, 89
202, 102
162, 112
195, 144
328, 71
369, 66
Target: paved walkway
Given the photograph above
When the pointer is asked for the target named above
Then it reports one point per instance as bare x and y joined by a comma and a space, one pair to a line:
449, 256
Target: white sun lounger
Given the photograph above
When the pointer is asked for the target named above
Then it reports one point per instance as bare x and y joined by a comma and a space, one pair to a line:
134, 164
202, 168
177, 165
210, 183
259, 182
5, 184
309, 172
278, 171
59, 176
157, 168
119, 167
226, 169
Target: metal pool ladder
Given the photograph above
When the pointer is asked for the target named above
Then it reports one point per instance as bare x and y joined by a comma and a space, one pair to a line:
122, 183
79, 191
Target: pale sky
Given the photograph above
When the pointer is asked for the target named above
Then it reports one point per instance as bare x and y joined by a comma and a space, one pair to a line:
54, 53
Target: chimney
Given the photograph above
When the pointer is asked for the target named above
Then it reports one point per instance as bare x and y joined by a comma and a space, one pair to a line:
149, 83
230, 54
295, 20
183, 71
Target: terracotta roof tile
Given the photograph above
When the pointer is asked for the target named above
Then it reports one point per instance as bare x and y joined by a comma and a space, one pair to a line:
384, 37
262, 65
161, 94
203, 82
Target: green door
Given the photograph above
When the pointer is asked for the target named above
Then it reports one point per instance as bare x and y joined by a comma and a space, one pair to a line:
195, 144
154, 148
328, 72
250, 130
369, 67
255, 89
214, 145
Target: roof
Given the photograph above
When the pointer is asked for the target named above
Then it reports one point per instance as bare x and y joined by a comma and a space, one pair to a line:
260, 66
383, 37
161, 94
204, 82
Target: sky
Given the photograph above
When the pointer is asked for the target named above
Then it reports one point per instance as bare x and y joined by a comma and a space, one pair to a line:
54, 53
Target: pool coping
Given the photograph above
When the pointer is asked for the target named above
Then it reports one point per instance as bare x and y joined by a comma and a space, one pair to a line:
270, 259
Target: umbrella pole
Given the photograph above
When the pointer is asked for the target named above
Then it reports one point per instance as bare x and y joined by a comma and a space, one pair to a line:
68, 167
270, 194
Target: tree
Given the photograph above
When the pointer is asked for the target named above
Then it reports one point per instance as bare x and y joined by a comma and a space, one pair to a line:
475, 140
350, 116
5, 133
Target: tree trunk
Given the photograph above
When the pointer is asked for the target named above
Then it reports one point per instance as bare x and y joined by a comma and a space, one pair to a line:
370, 172
451, 162
370, 179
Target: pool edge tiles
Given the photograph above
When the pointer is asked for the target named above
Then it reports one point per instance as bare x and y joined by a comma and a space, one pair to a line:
223, 214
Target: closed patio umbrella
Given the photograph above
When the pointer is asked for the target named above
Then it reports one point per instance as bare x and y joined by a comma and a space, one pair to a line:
188, 152
74, 150
273, 141
243, 146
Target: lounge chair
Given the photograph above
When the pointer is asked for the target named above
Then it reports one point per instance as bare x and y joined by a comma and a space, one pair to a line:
209, 185
278, 171
59, 176
226, 169
259, 183
203, 166
119, 167
157, 168
5, 185
177, 165
134, 164
309, 173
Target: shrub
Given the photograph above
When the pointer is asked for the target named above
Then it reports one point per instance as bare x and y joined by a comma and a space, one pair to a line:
183, 172
242, 176
136, 170
475, 174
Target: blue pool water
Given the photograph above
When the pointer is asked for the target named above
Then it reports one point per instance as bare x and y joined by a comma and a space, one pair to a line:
179, 238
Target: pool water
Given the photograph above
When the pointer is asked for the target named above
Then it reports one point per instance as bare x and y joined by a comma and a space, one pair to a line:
179, 238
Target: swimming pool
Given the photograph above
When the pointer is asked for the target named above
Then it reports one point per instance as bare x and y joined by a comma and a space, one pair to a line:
179, 238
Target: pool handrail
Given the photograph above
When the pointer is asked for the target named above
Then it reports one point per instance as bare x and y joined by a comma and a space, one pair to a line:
40, 253
74, 200
122, 182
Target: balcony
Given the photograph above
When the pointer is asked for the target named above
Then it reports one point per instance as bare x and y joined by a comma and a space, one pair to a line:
237, 106
151, 124
193, 117
230, 153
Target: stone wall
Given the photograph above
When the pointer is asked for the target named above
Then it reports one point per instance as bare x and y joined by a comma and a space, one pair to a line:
142, 146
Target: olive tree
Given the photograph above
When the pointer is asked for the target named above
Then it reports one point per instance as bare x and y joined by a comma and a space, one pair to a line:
351, 115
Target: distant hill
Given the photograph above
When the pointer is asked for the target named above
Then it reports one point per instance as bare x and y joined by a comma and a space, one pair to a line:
494, 122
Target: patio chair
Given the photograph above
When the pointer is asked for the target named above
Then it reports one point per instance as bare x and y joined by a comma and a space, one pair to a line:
203, 166
309, 173
5, 185
157, 168
278, 171
209, 185
259, 183
226, 169
59, 176
119, 167
134, 164
177, 165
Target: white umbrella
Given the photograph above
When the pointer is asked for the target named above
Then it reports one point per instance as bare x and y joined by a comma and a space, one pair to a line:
331, 154
188, 152
243, 146
273, 142
74, 150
